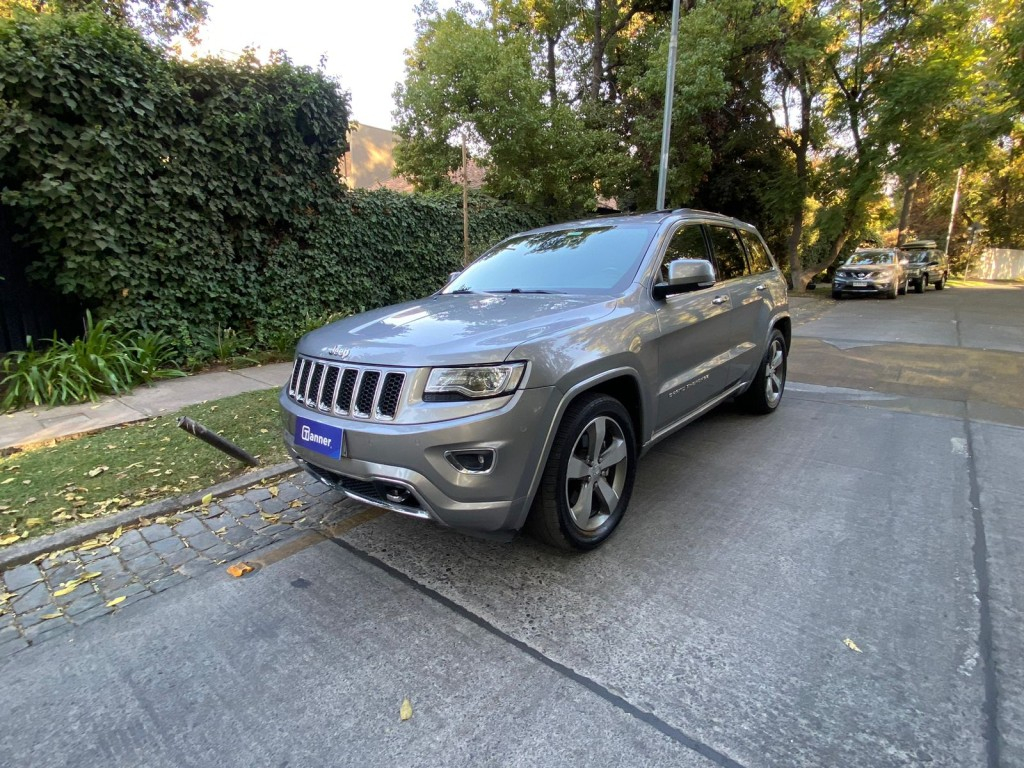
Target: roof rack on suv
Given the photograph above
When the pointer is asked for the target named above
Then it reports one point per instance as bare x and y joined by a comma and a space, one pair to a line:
915, 245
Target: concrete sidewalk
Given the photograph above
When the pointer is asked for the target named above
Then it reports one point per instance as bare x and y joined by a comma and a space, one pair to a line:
33, 426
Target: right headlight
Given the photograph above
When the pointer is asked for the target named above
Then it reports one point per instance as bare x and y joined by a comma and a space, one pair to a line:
472, 382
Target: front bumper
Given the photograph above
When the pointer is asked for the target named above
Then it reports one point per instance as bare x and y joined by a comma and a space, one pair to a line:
846, 285
403, 467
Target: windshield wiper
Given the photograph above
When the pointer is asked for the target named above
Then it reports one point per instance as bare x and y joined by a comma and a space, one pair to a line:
526, 290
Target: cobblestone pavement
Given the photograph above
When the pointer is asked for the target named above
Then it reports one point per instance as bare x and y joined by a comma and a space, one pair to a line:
51, 596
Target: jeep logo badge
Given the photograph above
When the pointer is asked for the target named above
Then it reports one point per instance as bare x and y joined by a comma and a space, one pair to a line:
338, 351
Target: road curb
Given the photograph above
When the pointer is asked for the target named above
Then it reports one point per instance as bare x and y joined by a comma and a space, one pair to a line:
18, 554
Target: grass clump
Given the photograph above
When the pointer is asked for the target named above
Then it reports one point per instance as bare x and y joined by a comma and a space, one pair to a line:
48, 488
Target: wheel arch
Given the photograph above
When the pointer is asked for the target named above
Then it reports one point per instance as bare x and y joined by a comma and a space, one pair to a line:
784, 324
621, 383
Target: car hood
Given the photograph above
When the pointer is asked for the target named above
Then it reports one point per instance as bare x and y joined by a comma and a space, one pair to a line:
452, 329
867, 268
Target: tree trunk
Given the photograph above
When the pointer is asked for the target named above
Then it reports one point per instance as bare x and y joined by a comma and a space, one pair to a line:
552, 81
909, 188
800, 149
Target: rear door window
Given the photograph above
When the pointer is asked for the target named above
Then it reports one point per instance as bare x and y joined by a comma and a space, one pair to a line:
760, 261
730, 258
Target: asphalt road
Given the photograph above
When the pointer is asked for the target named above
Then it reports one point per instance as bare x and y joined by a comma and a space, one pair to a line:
880, 505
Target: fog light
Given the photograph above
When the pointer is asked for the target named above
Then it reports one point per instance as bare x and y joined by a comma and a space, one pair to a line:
475, 462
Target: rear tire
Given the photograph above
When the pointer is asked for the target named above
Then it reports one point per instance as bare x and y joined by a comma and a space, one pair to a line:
765, 392
589, 476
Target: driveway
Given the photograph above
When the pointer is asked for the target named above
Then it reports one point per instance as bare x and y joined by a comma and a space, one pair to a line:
837, 584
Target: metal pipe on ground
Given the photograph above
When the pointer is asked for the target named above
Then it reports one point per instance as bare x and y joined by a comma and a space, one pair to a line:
221, 444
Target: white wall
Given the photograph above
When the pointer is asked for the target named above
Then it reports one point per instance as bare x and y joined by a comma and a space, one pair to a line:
998, 264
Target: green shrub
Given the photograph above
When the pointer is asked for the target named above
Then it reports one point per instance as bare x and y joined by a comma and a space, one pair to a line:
101, 362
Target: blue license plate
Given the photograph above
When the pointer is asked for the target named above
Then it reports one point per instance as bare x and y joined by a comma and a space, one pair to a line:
318, 437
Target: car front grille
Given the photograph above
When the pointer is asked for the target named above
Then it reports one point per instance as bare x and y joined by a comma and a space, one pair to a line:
357, 391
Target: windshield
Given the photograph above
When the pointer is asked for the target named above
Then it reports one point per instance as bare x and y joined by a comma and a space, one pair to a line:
918, 257
871, 257
586, 259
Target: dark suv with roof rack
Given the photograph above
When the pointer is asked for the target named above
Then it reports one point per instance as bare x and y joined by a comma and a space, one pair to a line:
524, 391
926, 264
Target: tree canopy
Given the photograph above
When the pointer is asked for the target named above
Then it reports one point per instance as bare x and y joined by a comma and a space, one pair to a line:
805, 117
159, 20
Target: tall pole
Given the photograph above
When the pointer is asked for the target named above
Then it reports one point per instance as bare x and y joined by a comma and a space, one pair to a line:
952, 211
670, 87
465, 204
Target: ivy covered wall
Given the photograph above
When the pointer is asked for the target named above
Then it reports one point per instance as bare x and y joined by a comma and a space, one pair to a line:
179, 196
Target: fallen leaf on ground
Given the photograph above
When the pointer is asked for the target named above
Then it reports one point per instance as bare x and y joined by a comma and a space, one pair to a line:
46, 616
34, 522
9, 539
274, 490
207, 498
5, 596
270, 518
97, 471
406, 711
240, 569
221, 531
68, 588
116, 601
297, 504
852, 645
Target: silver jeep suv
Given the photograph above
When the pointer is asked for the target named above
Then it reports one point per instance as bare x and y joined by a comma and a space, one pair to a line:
523, 392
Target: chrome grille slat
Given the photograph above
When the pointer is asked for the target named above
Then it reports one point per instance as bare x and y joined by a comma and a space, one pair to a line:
367, 393
354, 391
330, 385
346, 388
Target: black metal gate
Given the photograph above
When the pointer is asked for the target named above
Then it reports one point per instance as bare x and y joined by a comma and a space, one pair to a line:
27, 309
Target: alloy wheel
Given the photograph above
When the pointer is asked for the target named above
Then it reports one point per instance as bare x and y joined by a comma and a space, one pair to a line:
596, 474
774, 373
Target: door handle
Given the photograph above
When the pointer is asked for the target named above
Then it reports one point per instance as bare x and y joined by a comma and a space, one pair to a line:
761, 287
720, 299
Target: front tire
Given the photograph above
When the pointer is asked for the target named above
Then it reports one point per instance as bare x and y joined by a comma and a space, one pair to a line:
921, 284
941, 283
765, 392
589, 476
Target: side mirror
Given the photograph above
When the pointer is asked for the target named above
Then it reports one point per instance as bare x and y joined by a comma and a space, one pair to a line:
453, 275
685, 275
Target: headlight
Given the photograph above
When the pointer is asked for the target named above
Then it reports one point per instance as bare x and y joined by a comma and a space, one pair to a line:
473, 383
